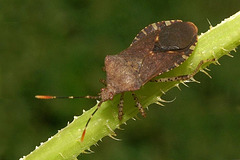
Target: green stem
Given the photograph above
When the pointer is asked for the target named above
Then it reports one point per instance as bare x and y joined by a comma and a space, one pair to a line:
216, 42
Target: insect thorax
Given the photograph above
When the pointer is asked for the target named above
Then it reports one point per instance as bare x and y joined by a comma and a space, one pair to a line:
122, 73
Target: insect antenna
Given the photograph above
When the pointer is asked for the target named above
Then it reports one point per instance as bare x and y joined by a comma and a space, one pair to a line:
65, 97
85, 128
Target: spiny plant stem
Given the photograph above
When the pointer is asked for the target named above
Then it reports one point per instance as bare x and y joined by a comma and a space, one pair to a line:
66, 144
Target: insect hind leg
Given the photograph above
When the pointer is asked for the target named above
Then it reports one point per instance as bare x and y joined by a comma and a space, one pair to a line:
183, 77
138, 105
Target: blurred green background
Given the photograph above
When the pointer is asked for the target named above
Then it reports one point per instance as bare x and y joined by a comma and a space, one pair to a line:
58, 47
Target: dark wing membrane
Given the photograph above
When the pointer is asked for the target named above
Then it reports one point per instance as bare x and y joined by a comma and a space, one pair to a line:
145, 41
176, 36
152, 28
173, 46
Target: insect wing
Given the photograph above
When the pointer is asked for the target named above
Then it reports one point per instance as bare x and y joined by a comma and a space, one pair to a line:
173, 45
154, 27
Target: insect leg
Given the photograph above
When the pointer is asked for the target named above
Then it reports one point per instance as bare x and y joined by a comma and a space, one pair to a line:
120, 107
85, 128
103, 81
138, 104
183, 77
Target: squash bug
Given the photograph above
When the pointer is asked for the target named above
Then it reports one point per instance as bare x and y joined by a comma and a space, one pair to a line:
158, 48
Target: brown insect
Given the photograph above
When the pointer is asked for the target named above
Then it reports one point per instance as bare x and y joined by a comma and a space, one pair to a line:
157, 49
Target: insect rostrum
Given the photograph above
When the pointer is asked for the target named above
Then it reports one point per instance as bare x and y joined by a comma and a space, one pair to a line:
157, 48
